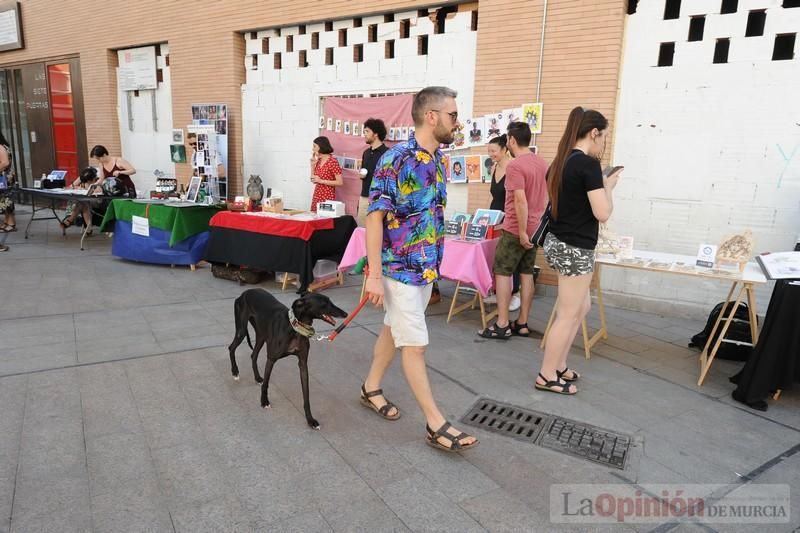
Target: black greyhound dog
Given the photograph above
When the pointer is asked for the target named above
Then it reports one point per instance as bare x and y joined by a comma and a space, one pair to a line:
285, 332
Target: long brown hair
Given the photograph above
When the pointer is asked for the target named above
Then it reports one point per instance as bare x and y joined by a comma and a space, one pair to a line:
580, 122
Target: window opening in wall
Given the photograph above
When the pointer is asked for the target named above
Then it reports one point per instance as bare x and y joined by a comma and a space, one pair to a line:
755, 23
301, 29
389, 49
721, 50
441, 17
672, 9
253, 35
166, 60
343, 37
329, 56
422, 13
265, 45
302, 60
358, 22
329, 25
388, 17
254, 58
665, 54
358, 53
784, 47
276, 62
422, 45
290, 43
696, 27
729, 6
372, 33
473, 26
405, 28
791, 3
315, 40
632, 5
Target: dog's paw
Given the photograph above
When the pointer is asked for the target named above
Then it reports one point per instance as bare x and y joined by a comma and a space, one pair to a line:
236, 377
314, 424
266, 405
259, 380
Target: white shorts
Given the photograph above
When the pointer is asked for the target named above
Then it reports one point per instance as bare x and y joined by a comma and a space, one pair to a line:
405, 312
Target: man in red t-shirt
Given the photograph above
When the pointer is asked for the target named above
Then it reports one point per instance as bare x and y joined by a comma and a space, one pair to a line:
526, 199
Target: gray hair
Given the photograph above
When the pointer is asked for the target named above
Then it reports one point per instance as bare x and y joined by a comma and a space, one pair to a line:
426, 99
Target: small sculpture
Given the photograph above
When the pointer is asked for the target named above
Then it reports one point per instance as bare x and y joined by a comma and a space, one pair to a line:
255, 190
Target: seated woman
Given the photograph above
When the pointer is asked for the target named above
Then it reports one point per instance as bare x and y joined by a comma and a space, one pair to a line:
115, 167
326, 173
86, 179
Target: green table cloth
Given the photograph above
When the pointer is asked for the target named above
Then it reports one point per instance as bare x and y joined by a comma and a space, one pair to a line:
181, 222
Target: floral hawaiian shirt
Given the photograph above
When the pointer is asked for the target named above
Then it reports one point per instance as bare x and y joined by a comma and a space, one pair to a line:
409, 184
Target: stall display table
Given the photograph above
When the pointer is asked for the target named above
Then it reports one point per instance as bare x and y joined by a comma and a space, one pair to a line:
775, 362
53, 199
178, 231
278, 243
468, 263
684, 265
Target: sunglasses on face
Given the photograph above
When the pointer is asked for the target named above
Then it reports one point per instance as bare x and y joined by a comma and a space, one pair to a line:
453, 114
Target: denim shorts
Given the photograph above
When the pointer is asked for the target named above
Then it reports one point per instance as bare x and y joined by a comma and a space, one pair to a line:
566, 259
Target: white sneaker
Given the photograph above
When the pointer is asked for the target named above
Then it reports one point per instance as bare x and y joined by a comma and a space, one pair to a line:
515, 303
491, 299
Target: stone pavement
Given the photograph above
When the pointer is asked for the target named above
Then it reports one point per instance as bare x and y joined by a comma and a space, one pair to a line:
119, 413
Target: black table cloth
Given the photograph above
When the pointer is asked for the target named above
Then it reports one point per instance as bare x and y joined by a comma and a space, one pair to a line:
775, 361
272, 253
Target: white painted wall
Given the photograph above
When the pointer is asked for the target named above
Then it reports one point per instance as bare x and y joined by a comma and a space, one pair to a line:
281, 107
144, 147
708, 149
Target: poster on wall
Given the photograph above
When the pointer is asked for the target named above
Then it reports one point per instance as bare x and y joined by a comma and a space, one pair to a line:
210, 154
475, 131
137, 68
473, 164
532, 114
458, 170
494, 127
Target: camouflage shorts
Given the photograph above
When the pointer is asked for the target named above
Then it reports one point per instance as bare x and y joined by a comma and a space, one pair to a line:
6, 203
566, 259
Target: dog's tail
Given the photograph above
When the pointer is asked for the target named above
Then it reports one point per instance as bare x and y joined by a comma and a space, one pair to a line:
247, 331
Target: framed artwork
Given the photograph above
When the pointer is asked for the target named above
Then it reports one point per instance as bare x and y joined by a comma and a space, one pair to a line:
347, 128
338, 127
321, 122
177, 153
329, 124
194, 189
462, 218
177, 136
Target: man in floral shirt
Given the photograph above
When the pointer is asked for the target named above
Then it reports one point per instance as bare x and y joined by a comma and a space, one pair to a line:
405, 241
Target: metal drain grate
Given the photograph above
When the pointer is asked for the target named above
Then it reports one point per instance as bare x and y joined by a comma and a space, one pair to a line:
585, 441
556, 433
506, 419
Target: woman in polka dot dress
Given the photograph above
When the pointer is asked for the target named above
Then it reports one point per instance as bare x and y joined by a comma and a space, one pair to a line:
325, 172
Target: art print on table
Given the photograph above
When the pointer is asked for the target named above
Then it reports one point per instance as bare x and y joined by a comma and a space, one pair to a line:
487, 217
458, 169
194, 188
462, 218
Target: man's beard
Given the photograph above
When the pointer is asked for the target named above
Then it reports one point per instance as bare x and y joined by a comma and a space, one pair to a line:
443, 135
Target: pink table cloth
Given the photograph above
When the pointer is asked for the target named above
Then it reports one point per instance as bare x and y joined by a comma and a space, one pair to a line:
469, 262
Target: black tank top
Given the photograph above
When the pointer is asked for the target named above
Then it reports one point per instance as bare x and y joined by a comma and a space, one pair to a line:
498, 190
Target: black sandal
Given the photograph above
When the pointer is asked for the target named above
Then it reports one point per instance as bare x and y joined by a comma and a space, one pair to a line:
553, 386
496, 332
455, 440
384, 410
516, 327
3, 248
8, 228
561, 375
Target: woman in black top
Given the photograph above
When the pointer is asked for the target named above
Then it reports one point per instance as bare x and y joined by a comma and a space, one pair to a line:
581, 197
501, 157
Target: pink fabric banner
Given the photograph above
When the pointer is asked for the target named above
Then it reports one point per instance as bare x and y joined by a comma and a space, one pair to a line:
395, 111
465, 261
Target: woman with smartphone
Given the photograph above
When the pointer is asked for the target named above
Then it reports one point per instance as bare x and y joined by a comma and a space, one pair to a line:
325, 172
581, 197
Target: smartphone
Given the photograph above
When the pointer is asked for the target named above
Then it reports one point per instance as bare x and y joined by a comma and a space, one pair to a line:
610, 170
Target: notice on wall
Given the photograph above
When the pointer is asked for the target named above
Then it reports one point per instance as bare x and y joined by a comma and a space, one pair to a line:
10, 33
137, 68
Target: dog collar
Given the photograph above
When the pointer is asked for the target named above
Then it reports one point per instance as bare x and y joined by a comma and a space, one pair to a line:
299, 327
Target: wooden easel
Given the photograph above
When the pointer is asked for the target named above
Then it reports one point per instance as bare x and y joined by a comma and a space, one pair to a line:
477, 299
315, 286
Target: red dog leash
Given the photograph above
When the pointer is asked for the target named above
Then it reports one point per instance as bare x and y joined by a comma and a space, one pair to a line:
347, 320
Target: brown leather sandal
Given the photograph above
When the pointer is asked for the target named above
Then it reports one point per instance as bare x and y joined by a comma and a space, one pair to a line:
455, 440
384, 410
